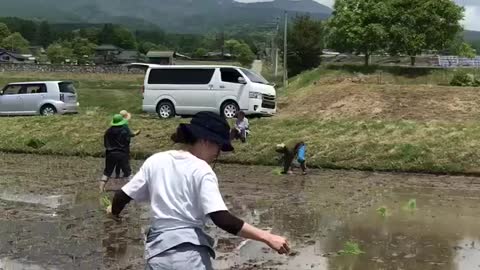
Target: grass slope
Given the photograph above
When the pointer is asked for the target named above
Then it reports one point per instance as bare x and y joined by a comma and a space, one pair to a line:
340, 142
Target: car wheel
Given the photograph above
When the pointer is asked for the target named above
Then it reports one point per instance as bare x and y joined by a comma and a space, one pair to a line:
48, 110
165, 110
229, 109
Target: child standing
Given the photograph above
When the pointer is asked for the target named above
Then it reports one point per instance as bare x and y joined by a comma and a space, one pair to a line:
296, 149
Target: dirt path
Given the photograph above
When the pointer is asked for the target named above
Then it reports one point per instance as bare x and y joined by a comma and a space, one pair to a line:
51, 218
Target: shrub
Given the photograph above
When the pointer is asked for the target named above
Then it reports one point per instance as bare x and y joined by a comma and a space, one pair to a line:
462, 78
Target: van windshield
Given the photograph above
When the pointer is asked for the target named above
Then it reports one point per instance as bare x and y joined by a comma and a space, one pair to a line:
254, 77
66, 87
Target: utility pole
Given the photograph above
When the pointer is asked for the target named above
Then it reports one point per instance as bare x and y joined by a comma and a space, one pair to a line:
285, 73
275, 49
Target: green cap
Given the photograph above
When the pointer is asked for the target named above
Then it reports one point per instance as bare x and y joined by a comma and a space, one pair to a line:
118, 120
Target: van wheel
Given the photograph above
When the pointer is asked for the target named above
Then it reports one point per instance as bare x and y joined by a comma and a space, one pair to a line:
229, 109
165, 110
48, 110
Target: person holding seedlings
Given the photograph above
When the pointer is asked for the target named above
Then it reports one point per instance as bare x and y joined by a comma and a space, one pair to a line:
117, 149
296, 149
127, 116
182, 191
240, 130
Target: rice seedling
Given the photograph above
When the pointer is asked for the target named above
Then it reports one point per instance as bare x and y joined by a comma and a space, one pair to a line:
351, 248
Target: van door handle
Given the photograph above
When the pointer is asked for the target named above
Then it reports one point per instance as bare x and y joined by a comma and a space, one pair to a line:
210, 86
222, 86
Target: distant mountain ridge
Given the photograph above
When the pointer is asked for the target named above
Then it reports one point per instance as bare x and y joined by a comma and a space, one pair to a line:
185, 16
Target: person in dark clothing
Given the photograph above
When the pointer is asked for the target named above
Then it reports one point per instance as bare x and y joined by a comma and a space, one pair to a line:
127, 116
290, 151
117, 149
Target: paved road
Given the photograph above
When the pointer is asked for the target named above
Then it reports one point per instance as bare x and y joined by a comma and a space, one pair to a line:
257, 66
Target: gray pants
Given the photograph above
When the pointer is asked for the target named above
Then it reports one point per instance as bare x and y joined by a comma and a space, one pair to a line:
182, 257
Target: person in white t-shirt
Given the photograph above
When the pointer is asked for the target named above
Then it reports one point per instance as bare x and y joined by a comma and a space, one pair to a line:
240, 130
182, 190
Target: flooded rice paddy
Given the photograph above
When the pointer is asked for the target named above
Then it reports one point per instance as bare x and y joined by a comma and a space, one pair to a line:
51, 218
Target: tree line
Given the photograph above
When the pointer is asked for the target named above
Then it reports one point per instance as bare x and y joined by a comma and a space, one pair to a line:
78, 42
380, 27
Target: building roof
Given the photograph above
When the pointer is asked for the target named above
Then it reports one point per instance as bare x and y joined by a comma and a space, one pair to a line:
107, 47
154, 54
127, 55
14, 55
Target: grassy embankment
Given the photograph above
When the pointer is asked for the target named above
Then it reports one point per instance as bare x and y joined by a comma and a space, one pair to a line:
366, 141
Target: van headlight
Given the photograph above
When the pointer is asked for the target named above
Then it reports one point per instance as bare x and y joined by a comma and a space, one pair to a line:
256, 95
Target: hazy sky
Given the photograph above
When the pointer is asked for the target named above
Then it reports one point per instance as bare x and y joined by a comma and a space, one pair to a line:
472, 11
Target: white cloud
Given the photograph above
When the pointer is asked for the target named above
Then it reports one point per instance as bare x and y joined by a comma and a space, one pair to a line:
472, 18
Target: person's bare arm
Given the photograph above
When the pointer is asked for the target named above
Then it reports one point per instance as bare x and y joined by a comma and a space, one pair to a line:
276, 242
229, 223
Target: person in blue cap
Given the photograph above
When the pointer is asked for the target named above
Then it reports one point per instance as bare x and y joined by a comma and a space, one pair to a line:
183, 193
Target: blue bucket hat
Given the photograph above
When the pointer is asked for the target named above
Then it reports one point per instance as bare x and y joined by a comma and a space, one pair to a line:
211, 127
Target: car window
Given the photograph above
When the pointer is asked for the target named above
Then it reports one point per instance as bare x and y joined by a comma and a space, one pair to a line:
230, 75
33, 89
181, 76
12, 89
254, 77
67, 87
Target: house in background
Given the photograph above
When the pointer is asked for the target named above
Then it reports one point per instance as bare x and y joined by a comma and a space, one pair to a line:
128, 56
13, 58
161, 57
107, 54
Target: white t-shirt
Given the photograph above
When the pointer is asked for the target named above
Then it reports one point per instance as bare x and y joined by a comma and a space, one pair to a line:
181, 188
242, 124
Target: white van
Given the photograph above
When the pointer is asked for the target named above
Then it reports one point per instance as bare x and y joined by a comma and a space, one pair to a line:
187, 90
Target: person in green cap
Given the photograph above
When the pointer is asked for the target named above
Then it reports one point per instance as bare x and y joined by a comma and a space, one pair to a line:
127, 116
117, 149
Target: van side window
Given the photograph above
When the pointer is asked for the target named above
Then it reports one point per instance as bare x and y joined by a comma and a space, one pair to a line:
230, 75
34, 89
180, 76
12, 89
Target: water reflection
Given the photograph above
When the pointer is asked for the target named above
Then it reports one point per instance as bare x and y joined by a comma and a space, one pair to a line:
9, 264
51, 201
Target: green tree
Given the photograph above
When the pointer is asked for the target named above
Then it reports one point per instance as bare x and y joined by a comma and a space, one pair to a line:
16, 42
124, 39
58, 53
465, 50
82, 49
305, 44
44, 34
200, 52
231, 46
244, 54
4, 31
422, 25
107, 34
92, 34
358, 26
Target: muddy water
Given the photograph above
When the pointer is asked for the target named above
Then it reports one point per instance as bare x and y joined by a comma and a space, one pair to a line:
51, 218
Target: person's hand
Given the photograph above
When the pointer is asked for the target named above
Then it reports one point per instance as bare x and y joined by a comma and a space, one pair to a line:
136, 133
102, 186
278, 243
112, 216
